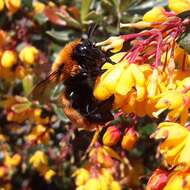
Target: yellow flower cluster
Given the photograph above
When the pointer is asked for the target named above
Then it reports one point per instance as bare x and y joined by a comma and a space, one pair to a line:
176, 143
9, 165
146, 90
15, 64
39, 162
149, 88
103, 180
39, 135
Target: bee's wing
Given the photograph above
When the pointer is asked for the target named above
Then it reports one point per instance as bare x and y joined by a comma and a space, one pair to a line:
41, 91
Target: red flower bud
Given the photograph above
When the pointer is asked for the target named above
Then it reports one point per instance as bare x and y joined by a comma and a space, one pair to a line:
129, 139
158, 180
111, 136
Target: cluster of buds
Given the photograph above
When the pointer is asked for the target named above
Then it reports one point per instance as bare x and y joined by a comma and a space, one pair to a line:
113, 135
116, 133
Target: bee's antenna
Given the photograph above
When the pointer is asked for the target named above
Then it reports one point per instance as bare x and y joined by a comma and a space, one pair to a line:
92, 28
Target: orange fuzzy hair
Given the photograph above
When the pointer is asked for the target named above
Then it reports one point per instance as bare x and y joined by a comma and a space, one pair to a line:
65, 57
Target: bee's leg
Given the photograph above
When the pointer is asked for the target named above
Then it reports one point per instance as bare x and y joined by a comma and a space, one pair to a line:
100, 111
76, 69
74, 116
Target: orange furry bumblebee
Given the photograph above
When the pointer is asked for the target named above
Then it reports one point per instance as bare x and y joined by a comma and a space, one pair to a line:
77, 66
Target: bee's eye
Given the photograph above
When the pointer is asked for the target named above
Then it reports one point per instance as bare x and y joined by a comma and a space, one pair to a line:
82, 50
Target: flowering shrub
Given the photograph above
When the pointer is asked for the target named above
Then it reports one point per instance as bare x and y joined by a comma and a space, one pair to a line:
145, 146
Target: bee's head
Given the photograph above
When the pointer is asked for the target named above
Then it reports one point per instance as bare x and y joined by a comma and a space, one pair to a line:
88, 55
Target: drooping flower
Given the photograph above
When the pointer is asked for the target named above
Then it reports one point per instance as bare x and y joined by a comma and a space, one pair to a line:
176, 143
156, 14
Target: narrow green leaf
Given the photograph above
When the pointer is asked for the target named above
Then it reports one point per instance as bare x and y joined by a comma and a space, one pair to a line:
70, 20
27, 84
59, 35
41, 18
85, 6
60, 113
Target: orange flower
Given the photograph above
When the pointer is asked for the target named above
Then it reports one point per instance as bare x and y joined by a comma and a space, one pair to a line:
158, 180
129, 139
111, 136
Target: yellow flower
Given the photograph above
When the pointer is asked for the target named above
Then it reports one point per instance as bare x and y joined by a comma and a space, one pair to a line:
155, 84
93, 184
38, 159
38, 119
101, 156
40, 134
1, 5
115, 186
3, 171
179, 6
175, 147
38, 7
49, 175
13, 5
169, 100
156, 14
114, 44
28, 55
179, 180
13, 161
8, 59
119, 80
175, 100
82, 175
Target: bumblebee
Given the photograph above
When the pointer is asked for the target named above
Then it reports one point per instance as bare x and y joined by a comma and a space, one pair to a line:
77, 66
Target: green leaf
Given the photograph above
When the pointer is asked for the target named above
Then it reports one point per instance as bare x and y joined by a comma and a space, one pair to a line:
93, 15
41, 18
70, 20
184, 41
27, 4
85, 6
60, 113
27, 84
59, 35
